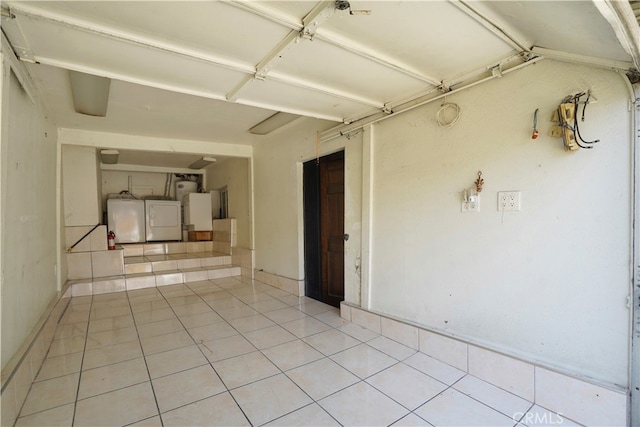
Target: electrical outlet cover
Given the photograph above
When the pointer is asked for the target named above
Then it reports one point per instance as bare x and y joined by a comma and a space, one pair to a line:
556, 131
470, 206
509, 201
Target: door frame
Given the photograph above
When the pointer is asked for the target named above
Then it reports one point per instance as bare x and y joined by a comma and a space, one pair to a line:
312, 261
634, 295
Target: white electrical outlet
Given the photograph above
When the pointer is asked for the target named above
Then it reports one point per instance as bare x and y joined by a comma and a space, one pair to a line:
508, 200
472, 204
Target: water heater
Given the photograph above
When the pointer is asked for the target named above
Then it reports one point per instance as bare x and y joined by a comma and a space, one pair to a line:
184, 187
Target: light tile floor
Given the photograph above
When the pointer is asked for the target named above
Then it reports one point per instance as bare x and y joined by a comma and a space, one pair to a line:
227, 352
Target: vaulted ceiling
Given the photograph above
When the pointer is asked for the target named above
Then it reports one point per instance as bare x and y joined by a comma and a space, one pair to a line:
211, 70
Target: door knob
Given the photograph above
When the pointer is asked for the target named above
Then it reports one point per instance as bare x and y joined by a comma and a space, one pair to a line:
346, 237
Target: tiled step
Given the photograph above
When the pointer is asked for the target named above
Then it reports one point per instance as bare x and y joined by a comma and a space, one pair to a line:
174, 277
159, 269
105, 285
181, 261
167, 248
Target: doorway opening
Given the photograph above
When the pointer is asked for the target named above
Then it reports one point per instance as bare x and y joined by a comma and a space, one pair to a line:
323, 189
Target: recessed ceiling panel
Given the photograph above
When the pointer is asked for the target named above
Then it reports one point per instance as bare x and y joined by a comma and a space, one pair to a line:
158, 159
346, 71
207, 26
434, 37
142, 110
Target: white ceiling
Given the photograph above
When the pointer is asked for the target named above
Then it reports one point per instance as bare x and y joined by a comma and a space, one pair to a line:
211, 70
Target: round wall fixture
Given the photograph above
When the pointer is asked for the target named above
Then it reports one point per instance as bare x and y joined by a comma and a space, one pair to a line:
442, 112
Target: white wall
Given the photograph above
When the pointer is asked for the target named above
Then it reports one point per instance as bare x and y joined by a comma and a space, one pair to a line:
353, 218
234, 174
278, 201
80, 177
28, 204
142, 183
548, 283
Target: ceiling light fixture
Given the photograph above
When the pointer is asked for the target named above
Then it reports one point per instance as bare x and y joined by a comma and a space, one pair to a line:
109, 157
273, 123
90, 93
203, 162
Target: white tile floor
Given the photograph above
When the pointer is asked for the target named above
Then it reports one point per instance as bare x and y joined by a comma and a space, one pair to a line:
224, 353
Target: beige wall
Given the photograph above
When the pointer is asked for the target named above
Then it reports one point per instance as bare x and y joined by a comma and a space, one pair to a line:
142, 183
80, 178
548, 284
279, 203
234, 173
28, 213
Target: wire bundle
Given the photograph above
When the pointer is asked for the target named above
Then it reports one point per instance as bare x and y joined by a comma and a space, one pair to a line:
571, 135
440, 115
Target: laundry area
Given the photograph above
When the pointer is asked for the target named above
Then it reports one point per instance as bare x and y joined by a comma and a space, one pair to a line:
334, 212
159, 218
144, 206
157, 227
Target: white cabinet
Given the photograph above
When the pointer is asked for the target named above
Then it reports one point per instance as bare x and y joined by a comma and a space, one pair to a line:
82, 201
197, 211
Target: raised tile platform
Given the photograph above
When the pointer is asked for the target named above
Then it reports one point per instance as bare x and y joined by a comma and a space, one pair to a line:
160, 264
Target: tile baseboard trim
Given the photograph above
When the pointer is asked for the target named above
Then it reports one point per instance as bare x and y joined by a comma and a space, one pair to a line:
27, 361
293, 286
581, 399
243, 258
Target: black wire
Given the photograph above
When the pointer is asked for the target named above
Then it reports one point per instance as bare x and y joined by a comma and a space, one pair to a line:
575, 100
585, 104
577, 129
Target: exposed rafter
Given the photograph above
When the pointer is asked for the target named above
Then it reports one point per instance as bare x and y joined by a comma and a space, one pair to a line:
335, 40
27, 10
624, 22
582, 59
426, 98
353, 71
376, 57
309, 25
250, 72
21, 72
635, 6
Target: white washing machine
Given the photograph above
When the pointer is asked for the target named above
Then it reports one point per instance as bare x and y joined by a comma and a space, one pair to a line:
125, 217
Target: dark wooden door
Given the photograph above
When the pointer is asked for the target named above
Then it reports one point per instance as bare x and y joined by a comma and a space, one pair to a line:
332, 229
312, 252
324, 228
